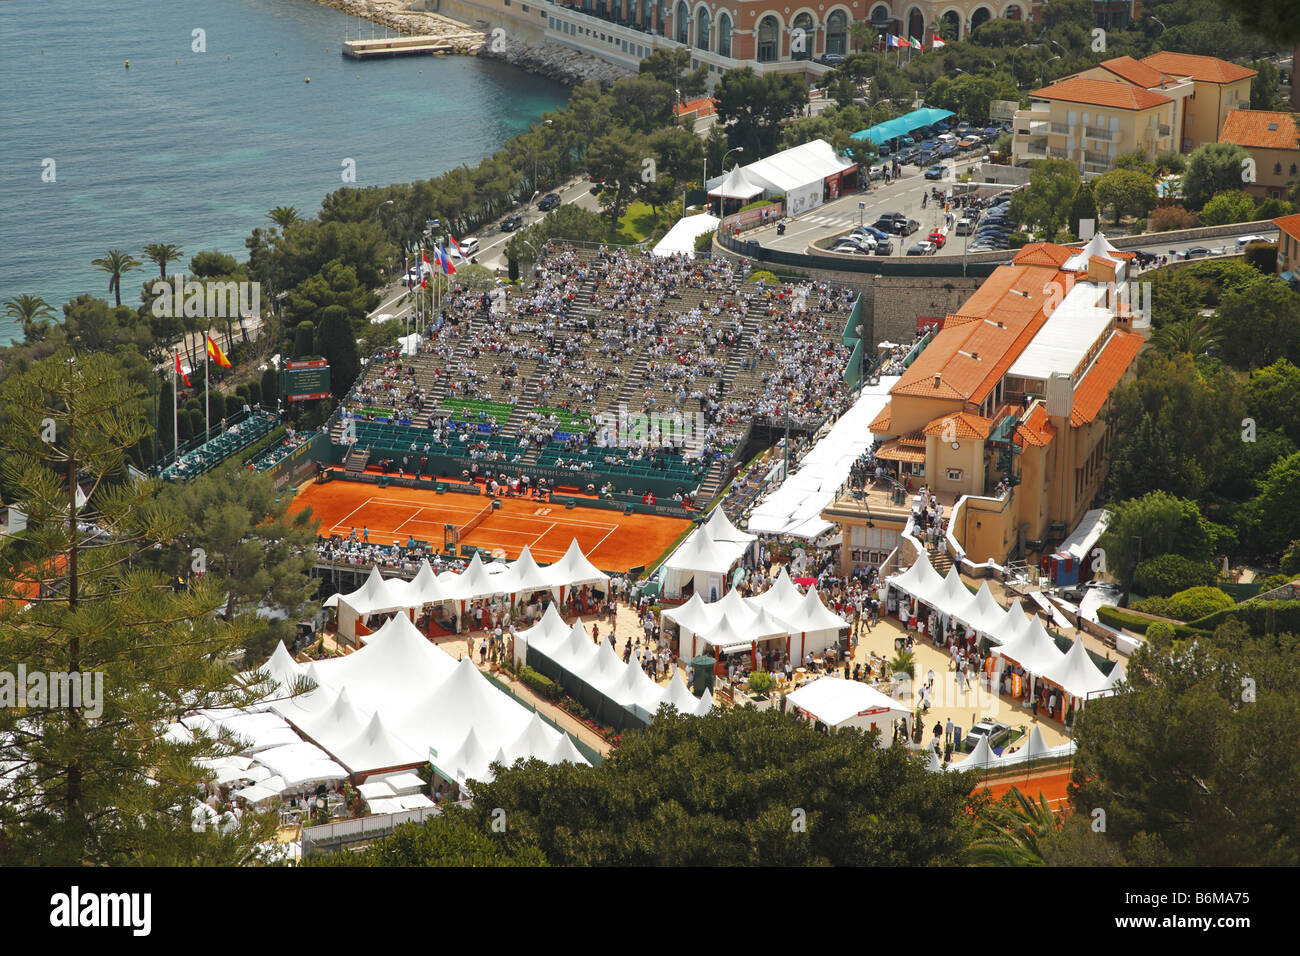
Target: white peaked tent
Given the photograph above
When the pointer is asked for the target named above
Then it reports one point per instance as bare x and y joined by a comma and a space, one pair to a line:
815, 619
469, 761
399, 664
425, 588
604, 670
536, 739
330, 726
576, 653
981, 611
840, 703
1013, 625
920, 581
1034, 650
546, 634
696, 616
376, 748
1036, 749
464, 701
574, 570
736, 185
706, 703
301, 764
376, 596
981, 758
279, 674
473, 583
954, 593
721, 529
643, 695
567, 752
782, 594
1077, 675
525, 576
680, 696
702, 560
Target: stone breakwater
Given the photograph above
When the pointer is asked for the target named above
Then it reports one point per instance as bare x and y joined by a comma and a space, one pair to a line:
551, 60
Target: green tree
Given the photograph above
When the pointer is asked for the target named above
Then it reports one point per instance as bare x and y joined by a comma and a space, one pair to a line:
271, 385
304, 339
617, 162
1259, 324
1273, 398
1045, 202
32, 314
1233, 205
1136, 162
720, 790
1273, 512
257, 553
752, 107
338, 346
1157, 523
161, 253
1265, 86
116, 262
1211, 169
451, 839
283, 216
97, 784
1274, 19
1180, 762
213, 265
667, 66
1126, 191
1013, 831
1084, 206
1168, 574
642, 103
1195, 336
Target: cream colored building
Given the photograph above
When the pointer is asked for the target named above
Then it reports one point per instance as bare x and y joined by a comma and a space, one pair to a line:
1165, 102
1273, 141
1016, 386
1288, 247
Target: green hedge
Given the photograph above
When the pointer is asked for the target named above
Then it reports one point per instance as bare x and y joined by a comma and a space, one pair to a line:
1118, 617
540, 683
255, 450
1280, 617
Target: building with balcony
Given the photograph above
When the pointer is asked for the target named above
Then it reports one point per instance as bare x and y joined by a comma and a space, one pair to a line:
1167, 101
1273, 141
1003, 416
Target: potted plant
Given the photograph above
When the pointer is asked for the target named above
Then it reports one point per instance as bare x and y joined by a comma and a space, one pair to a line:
760, 684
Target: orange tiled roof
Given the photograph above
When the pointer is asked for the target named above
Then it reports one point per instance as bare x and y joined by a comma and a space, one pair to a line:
1204, 69
1289, 224
1136, 72
1261, 129
903, 449
1104, 375
964, 425
1037, 429
1116, 95
883, 423
1043, 254
970, 358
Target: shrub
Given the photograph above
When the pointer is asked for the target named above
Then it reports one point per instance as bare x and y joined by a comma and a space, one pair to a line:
1159, 606
1160, 633
1169, 573
540, 683
1198, 602
1118, 617
768, 278
904, 662
1261, 617
760, 682
1232, 205
1166, 218
704, 241
1262, 256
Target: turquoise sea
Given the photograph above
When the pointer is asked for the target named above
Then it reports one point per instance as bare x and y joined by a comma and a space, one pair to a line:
193, 148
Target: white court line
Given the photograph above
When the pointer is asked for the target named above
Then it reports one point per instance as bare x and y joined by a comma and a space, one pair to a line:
553, 525
345, 518
409, 520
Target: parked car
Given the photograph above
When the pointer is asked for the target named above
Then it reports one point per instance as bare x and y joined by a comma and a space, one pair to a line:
922, 249
884, 247
876, 172
947, 149
548, 202
883, 149
833, 59
968, 142
927, 157
1244, 241
1144, 258
937, 238
997, 733
1197, 252
935, 172
886, 220
871, 231
511, 223
965, 227
942, 127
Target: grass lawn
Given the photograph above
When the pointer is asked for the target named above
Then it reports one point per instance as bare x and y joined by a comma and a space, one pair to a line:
637, 224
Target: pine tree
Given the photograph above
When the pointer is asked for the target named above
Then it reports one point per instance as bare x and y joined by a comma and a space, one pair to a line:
337, 343
93, 781
1084, 206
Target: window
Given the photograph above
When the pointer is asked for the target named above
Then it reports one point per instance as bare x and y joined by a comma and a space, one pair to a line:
683, 23
836, 31
802, 37
724, 37
1293, 169
1277, 169
524, 7
954, 474
702, 28
768, 42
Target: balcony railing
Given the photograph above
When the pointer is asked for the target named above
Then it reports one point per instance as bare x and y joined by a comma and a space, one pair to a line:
1163, 129
1032, 149
1094, 132
1060, 129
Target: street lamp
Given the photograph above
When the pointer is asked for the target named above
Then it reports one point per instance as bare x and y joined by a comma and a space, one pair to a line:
705, 182
1043, 75
1162, 26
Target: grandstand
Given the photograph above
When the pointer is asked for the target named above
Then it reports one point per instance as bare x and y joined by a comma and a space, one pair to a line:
241, 432
522, 380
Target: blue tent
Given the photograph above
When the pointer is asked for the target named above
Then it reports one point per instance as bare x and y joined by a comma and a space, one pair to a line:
902, 125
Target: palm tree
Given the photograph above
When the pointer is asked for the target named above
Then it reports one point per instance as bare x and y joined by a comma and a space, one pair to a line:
283, 216
31, 313
1012, 832
160, 254
1194, 336
115, 262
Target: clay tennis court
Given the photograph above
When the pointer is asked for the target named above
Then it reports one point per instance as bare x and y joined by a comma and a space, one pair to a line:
1051, 784
611, 540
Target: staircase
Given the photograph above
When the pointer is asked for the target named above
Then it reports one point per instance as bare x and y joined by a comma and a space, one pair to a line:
356, 461
713, 481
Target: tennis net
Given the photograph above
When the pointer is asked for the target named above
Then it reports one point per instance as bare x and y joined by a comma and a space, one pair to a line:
474, 522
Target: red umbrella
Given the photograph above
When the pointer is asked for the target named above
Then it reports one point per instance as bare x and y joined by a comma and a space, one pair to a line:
805, 582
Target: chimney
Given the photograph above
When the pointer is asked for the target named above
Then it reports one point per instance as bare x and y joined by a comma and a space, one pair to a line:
938, 378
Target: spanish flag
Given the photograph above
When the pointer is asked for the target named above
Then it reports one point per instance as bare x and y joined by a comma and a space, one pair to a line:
215, 353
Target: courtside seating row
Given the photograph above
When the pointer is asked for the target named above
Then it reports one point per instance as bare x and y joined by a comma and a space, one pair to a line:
214, 452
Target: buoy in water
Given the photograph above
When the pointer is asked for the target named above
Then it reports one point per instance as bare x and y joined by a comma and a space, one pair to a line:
128, 64
308, 79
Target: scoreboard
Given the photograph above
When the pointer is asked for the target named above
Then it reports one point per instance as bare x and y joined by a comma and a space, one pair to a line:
305, 381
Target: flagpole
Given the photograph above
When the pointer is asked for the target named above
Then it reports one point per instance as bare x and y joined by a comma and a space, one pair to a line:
176, 434
207, 415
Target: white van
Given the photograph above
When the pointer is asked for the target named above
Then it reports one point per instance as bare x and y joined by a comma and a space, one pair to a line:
947, 139
469, 246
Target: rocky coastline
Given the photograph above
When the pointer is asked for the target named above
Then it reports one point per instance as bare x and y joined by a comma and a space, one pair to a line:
550, 60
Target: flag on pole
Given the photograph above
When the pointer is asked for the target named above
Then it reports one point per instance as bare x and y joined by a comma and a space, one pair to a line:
215, 353
425, 269
444, 260
916, 44
180, 371
894, 42
456, 245
935, 42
